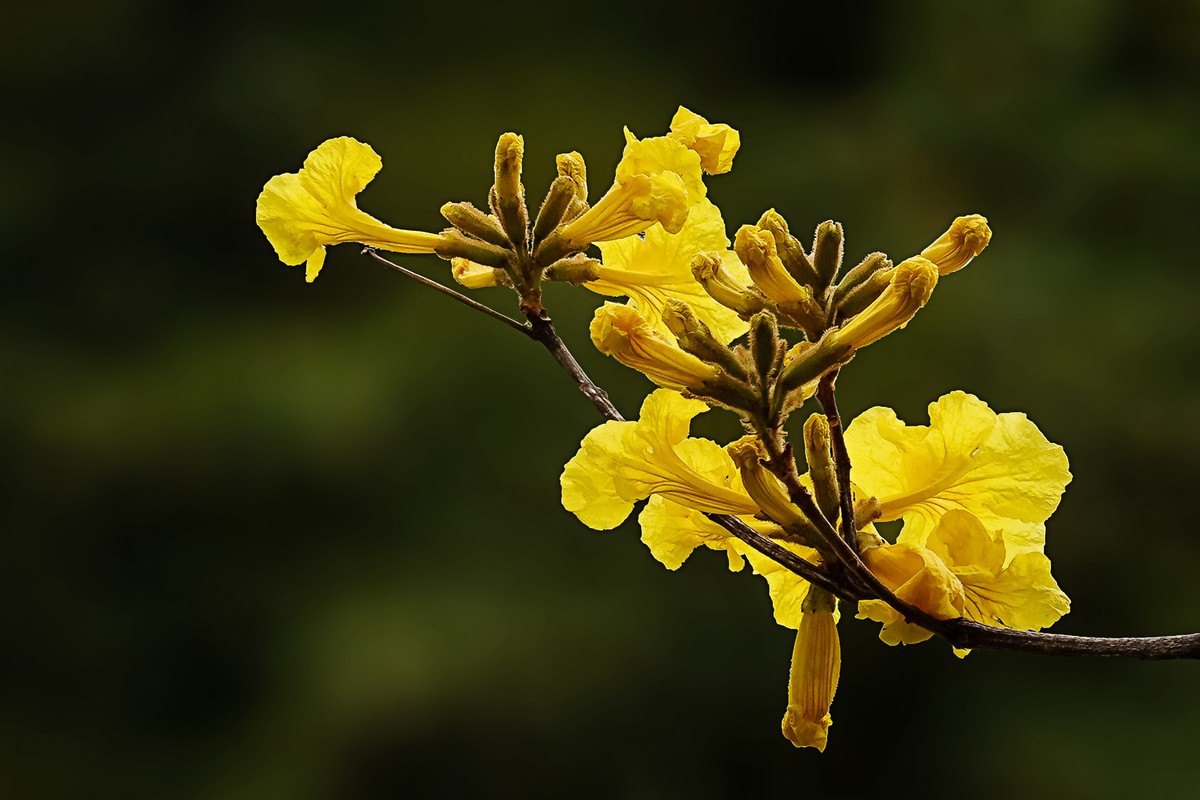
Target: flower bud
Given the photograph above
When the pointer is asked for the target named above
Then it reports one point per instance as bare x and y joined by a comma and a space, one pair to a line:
571, 165
509, 193
765, 345
805, 363
767, 492
455, 245
621, 332
910, 288
816, 666
473, 222
575, 270
827, 252
868, 267
696, 338
791, 252
554, 207
722, 287
955, 248
818, 452
756, 249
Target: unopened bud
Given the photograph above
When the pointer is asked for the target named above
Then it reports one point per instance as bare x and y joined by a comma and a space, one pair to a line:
818, 452
871, 265
865, 293
554, 207
722, 287
827, 252
571, 165
696, 338
806, 363
455, 245
767, 492
509, 193
911, 286
575, 270
473, 222
765, 345
955, 248
791, 252
756, 249
816, 667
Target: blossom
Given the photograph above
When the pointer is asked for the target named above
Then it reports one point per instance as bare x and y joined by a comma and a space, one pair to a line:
716, 144
656, 268
622, 332
302, 212
999, 467
620, 463
816, 666
912, 282
964, 570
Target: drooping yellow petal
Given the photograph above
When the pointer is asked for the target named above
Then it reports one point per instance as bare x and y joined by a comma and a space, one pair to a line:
301, 213
816, 666
919, 578
620, 463
672, 532
1022, 595
656, 268
787, 589
999, 467
716, 144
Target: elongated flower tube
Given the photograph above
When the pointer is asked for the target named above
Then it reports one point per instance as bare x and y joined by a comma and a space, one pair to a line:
912, 283
816, 666
756, 248
301, 213
623, 333
716, 144
766, 491
955, 248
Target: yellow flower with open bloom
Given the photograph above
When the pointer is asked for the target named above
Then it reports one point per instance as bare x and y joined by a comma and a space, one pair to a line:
620, 331
656, 268
716, 144
999, 467
658, 180
303, 212
620, 463
964, 570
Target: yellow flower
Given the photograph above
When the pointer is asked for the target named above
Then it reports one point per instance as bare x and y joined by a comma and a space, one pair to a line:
963, 571
620, 463
621, 332
816, 666
999, 467
955, 248
912, 283
756, 248
656, 268
303, 212
477, 276
716, 144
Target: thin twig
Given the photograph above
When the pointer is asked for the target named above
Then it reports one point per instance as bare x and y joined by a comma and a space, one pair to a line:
446, 290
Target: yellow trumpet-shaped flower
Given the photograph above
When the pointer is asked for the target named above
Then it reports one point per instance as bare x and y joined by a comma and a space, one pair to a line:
912, 283
716, 144
999, 467
955, 248
816, 666
621, 332
301, 213
963, 571
620, 463
656, 268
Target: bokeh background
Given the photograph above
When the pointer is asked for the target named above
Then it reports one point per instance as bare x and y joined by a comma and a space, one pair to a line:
269, 540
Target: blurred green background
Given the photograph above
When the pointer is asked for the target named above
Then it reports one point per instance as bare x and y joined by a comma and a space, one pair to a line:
269, 540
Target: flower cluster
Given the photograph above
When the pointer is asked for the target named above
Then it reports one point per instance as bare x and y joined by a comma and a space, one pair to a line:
757, 325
